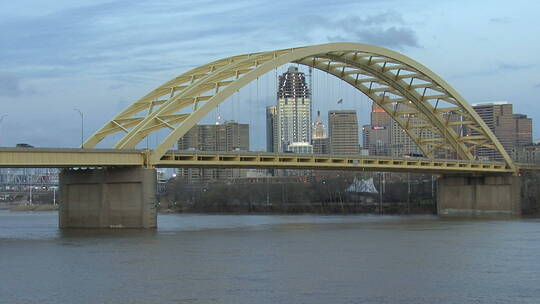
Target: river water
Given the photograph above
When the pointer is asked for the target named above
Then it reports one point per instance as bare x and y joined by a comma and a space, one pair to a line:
272, 259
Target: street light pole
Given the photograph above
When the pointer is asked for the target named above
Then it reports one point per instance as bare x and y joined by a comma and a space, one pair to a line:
82, 127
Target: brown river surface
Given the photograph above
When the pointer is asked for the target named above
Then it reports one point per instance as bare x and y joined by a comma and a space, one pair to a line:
272, 259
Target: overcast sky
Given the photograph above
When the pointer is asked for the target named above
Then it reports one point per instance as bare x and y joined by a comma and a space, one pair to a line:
99, 56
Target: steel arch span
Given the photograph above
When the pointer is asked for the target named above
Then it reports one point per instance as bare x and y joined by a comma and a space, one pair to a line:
401, 86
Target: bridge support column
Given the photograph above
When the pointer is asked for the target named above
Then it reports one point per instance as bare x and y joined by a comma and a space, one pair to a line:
483, 196
108, 198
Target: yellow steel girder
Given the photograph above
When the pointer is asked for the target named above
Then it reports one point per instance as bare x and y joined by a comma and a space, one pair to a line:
382, 74
69, 158
199, 159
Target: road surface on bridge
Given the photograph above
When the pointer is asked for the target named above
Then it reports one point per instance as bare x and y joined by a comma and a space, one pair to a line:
71, 157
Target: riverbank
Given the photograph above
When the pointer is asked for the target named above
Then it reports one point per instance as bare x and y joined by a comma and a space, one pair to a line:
312, 208
266, 209
28, 207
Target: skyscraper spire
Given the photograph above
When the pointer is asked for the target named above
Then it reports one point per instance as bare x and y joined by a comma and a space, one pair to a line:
319, 130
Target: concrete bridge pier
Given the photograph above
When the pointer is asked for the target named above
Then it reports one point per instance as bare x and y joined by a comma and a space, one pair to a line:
479, 196
108, 198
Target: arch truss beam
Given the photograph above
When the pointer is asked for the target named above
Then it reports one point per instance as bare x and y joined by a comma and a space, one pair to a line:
434, 115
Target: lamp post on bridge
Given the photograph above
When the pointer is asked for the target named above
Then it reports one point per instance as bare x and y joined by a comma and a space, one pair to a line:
82, 127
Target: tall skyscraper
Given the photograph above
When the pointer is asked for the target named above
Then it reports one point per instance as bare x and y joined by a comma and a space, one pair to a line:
293, 109
229, 136
272, 136
343, 131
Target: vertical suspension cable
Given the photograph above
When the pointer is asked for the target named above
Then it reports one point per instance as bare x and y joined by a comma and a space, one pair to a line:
314, 75
268, 90
257, 101
310, 125
232, 114
274, 99
341, 94
332, 88
250, 86
237, 107
238, 101
276, 84
218, 114
327, 90
157, 137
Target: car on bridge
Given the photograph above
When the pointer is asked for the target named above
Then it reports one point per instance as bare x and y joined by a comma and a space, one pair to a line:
413, 155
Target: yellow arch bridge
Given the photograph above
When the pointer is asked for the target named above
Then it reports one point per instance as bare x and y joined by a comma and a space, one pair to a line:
398, 84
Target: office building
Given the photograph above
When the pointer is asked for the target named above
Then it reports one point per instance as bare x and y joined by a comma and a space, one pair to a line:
272, 136
343, 132
379, 117
527, 153
229, 136
401, 143
385, 137
321, 145
293, 109
512, 130
376, 139
499, 118
522, 130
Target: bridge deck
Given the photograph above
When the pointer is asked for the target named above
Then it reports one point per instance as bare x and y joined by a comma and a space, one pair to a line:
186, 159
68, 158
